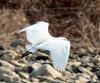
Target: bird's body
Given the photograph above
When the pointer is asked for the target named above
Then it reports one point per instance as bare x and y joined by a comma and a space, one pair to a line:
40, 38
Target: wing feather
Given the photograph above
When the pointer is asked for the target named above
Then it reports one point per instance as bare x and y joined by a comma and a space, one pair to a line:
60, 57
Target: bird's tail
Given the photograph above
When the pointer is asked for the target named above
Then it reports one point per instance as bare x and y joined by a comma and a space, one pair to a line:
22, 30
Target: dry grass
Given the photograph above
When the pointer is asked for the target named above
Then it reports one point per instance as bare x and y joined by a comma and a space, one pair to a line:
78, 20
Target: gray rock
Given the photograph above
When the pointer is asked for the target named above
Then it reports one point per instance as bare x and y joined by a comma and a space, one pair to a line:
46, 70
23, 75
7, 64
17, 64
77, 81
85, 75
9, 55
1, 47
49, 79
15, 43
83, 50
36, 66
1, 54
35, 80
85, 70
97, 58
9, 76
75, 63
26, 81
2, 82
94, 78
83, 80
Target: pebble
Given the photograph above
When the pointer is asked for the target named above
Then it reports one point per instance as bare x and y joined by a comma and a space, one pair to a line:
85, 75
23, 75
1, 54
98, 74
83, 80
83, 50
84, 70
97, 60
1, 47
9, 76
19, 69
18, 64
25, 81
9, 55
75, 63
7, 64
90, 49
49, 79
15, 43
36, 66
94, 78
35, 80
47, 70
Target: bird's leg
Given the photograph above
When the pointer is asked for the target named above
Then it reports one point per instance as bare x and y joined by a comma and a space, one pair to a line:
22, 55
25, 54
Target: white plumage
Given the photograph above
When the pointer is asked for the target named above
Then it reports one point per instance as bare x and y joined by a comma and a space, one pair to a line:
59, 51
40, 38
36, 34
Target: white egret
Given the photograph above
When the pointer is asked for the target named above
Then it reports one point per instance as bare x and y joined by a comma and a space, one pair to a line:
40, 38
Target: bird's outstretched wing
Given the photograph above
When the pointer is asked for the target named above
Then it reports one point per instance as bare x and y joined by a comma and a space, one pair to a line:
59, 51
36, 33
32, 34
60, 57
25, 29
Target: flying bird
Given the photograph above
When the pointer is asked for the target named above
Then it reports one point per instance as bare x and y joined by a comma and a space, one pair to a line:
40, 38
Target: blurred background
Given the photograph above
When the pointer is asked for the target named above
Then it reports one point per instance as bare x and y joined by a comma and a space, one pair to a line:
77, 20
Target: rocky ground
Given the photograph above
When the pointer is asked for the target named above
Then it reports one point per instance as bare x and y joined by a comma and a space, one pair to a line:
77, 20
37, 68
